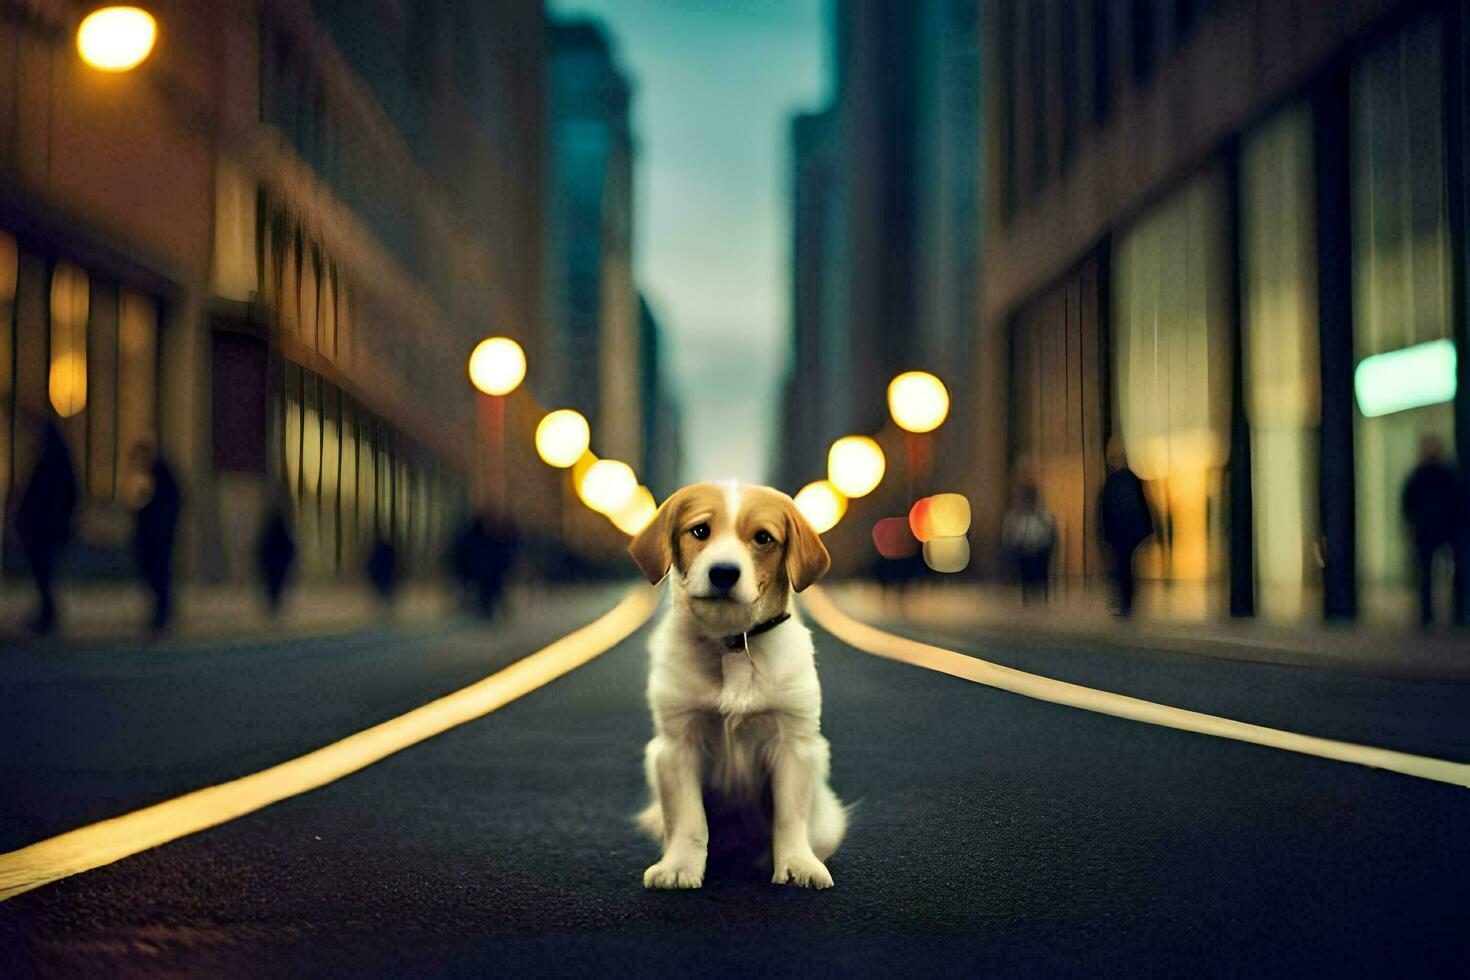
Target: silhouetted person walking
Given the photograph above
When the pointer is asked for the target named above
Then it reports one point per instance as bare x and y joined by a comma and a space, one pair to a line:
43, 521
1028, 535
495, 561
154, 533
1126, 521
466, 556
1432, 503
382, 569
276, 551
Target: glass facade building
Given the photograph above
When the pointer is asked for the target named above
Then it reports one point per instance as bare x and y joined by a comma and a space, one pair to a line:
1249, 261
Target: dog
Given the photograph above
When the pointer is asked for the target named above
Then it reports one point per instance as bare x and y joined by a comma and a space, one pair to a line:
733, 686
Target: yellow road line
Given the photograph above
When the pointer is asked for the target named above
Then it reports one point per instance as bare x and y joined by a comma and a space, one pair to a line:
111, 840
883, 644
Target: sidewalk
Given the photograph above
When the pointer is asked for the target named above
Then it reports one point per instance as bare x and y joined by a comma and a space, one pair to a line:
995, 614
100, 612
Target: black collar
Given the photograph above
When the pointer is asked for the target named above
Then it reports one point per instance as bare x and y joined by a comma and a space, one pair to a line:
738, 641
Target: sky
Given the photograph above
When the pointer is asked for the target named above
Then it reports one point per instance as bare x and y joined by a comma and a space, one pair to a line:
715, 83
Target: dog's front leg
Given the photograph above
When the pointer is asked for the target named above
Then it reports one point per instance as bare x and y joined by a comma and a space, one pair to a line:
676, 768
793, 770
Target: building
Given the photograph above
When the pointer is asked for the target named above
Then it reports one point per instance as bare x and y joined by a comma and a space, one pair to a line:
662, 441
1204, 219
885, 248
270, 248
818, 395
594, 307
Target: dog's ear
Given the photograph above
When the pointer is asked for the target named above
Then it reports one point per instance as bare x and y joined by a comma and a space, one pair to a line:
653, 547
806, 556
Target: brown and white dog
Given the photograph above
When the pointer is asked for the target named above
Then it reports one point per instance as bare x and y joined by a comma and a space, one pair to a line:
733, 684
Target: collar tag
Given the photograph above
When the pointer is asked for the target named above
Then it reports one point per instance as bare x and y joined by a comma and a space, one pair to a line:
741, 641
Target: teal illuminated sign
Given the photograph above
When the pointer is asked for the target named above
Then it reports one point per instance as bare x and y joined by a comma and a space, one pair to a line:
1411, 377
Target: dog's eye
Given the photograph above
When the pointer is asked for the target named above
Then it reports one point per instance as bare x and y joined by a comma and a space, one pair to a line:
763, 537
700, 531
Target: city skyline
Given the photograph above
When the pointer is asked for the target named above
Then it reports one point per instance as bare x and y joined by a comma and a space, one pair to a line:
711, 202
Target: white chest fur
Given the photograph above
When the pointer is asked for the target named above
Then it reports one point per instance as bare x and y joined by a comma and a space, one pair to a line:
741, 691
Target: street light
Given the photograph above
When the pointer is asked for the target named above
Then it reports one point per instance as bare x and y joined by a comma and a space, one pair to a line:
117, 38
607, 485
855, 465
821, 504
637, 513
562, 437
497, 365
918, 401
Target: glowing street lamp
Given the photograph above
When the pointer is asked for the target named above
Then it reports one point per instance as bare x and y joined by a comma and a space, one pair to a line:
821, 504
116, 38
636, 514
497, 365
918, 401
562, 437
607, 485
855, 465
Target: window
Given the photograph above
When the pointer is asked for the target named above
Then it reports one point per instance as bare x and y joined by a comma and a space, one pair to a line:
1401, 271
1282, 383
137, 368
104, 455
70, 302
1171, 343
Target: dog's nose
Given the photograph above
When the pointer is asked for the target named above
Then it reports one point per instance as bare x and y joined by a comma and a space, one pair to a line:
724, 576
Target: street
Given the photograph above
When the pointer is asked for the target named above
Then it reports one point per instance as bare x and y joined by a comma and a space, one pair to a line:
993, 834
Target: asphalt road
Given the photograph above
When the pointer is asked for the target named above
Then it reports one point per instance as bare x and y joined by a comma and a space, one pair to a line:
995, 835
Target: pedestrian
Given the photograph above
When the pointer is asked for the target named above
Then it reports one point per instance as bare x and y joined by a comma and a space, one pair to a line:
155, 528
382, 569
1028, 536
1126, 521
466, 555
1432, 502
276, 550
495, 560
43, 520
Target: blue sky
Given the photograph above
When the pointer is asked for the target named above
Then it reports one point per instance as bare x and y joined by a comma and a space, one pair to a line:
716, 82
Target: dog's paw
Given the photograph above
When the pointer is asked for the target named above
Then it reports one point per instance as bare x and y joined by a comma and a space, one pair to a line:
802, 870
673, 873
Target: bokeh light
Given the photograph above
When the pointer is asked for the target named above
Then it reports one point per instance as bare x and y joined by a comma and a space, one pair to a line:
497, 365
855, 465
893, 539
1411, 377
918, 401
821, 504
67, 384
116, 38
635, 515
607, 485
948, 555
944, 515
562, 437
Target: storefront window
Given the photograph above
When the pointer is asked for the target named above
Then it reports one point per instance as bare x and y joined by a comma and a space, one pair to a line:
137, 372
1400, 277
1282, 381
1172, 373
1057, 410
291, 444
70, 301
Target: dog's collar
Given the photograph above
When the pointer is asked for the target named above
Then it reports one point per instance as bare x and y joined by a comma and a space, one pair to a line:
738, 641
